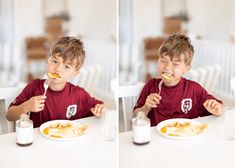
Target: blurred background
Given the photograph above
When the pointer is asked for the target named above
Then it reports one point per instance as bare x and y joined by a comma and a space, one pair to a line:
144, 25
29, 28
210, 24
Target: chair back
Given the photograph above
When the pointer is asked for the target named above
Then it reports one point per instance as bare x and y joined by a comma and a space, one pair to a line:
128, 96
216, 77
88, 78
233, 85
207, 76
7, 95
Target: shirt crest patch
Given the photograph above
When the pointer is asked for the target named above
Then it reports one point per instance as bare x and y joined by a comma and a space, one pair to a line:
186, 105
71, 111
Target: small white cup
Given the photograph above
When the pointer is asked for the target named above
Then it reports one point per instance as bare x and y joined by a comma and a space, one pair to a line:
229, 124
109, 118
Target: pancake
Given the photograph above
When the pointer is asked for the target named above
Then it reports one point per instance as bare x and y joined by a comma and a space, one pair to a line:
183, 129
54, 75
167, 77
64, 130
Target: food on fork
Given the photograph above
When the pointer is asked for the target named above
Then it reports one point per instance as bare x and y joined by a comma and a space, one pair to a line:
167, 77
54, 75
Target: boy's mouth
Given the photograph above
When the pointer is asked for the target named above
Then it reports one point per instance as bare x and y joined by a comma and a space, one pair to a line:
54, 75
167, 76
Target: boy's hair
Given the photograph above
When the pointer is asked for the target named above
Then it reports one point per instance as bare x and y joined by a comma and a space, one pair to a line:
70, 49
177, 45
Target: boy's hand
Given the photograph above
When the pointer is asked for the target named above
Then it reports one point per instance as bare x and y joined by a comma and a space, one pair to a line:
98, 110
152, 100
213, 106
35, 104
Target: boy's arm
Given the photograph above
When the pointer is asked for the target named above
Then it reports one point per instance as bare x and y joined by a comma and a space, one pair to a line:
209, 104
213, 106
34, 104
14, 112
144, 109
92, 106
98, 110
151, 101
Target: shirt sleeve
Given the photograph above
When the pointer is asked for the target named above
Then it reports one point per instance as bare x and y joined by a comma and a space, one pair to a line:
204, 95
89, 102
25, 95
143, 94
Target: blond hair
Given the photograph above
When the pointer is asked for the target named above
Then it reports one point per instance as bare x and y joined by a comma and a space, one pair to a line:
70, 49
177, 45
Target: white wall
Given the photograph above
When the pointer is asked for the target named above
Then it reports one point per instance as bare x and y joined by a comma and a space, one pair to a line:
28, 19
90, 19
212, 19
6, 21
54, 7
198, 16
173, 7
125, 21
93, 19
141, 17
146, 19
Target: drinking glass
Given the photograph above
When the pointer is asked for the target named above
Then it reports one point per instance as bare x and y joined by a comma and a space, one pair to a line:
229, 124
109, 118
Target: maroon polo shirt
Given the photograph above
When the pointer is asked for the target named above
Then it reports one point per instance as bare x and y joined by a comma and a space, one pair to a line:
73, 102
184, 100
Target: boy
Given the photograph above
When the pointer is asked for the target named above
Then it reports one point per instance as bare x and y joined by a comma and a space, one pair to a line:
63, 100
173, 96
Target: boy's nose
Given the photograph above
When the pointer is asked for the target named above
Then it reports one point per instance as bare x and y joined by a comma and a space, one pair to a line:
59, 68
168, 66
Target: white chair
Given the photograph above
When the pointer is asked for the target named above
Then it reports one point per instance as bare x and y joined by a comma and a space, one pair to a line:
209, 78
202, 76
128, 95
88, 78
193, 75
6, 56
216, 76
7, 95
11, 64
233, 85
114, 89
95, 79
81, 78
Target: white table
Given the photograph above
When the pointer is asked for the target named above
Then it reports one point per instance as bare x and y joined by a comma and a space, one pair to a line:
91, 151
211, 150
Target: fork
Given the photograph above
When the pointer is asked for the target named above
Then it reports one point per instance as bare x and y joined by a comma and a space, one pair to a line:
160, 87
46, 85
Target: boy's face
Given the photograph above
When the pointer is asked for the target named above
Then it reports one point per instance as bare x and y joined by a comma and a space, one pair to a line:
173, 69
66, 70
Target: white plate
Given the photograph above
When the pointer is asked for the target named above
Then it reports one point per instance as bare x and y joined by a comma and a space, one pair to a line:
57, 133
182, 135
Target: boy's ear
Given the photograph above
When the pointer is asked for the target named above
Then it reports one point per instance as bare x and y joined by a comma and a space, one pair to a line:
75, 73
187, 68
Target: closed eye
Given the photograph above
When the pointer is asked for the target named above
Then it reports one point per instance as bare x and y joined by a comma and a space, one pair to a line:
176, 64
54, 61
163, 61
68, 67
